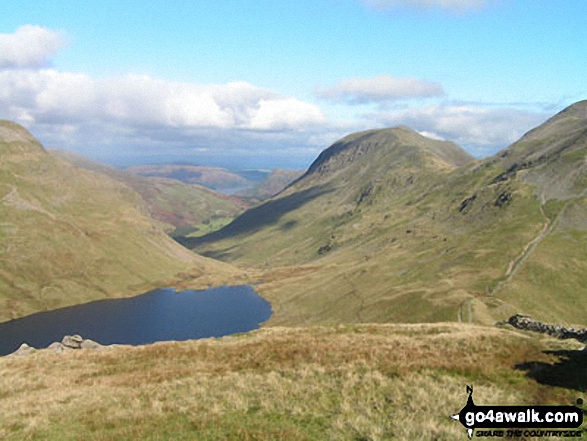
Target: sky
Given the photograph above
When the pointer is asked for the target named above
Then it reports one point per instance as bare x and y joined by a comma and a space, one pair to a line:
265, 83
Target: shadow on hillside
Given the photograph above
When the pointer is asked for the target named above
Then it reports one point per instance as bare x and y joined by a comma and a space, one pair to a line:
569, 371
257, 217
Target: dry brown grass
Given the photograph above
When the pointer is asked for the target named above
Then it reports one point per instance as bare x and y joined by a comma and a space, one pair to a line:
367, 382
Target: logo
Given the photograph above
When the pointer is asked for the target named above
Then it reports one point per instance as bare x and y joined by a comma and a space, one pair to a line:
519, 417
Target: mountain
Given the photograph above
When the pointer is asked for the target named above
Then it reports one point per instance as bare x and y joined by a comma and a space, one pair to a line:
215, 178
390, 226
69, 235
182, 208
349, 181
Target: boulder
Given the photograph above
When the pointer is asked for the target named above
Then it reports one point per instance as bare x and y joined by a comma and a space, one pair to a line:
56, 347
91, 344
72, 341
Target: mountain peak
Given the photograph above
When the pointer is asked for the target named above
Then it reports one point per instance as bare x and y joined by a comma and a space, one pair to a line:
395, 141
577, 110
15, 139
565, 131
571, 118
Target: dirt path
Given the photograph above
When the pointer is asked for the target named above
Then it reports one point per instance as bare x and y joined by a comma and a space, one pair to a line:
516, 263
9, 195
469, 305
548, 227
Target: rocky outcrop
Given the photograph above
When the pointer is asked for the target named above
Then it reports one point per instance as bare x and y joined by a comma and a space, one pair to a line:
521, 321
466, 203
503, 199
72, 341
68, 343
24, 349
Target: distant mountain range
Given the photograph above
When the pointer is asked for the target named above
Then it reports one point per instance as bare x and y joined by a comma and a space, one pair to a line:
215, 178
251, 186
70, 235
273, 183
391, 226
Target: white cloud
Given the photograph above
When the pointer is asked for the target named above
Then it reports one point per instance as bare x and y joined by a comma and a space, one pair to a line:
380, 88
285, 114
143, 114
483, 130
448, 5
137, 101
29, 47
431, 135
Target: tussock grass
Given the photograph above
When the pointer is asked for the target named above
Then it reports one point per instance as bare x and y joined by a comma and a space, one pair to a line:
365, 382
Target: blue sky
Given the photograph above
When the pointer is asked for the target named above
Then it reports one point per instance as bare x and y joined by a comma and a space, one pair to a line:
263, 83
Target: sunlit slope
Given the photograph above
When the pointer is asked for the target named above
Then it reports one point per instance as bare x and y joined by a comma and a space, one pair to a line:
350, 181
549, 278
401, 228
179, 206
69, 235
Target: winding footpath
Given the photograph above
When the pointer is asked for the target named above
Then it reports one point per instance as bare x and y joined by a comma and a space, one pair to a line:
516, 263
549, 225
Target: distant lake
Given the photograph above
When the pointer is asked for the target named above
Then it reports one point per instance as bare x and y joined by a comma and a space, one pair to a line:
160, 315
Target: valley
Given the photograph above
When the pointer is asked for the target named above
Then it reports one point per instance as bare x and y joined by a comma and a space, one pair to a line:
385, 226
359, 220
366, 259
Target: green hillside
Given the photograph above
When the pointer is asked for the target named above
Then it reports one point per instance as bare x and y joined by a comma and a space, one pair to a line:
69, 235
182, 208
389, 226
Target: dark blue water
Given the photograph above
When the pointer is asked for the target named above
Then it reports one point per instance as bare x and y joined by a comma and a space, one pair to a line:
159, 315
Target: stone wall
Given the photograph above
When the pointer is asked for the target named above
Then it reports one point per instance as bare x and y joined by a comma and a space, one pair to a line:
524, 322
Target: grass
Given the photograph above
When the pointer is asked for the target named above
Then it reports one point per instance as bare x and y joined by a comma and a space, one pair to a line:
207, 227
363, 382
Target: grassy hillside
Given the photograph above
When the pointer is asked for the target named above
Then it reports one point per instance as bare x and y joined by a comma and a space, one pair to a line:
363, 382
182, 208
69, 235
389, 226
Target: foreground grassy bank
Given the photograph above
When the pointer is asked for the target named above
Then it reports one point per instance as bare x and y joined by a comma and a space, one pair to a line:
364, 382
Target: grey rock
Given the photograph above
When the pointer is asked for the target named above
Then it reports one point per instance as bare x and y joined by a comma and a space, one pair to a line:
23, 350
91, 344
56, 347
72, 341
521, 321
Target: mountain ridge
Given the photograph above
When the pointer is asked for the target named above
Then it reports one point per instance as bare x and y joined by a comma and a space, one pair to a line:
348, 149
15, 139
